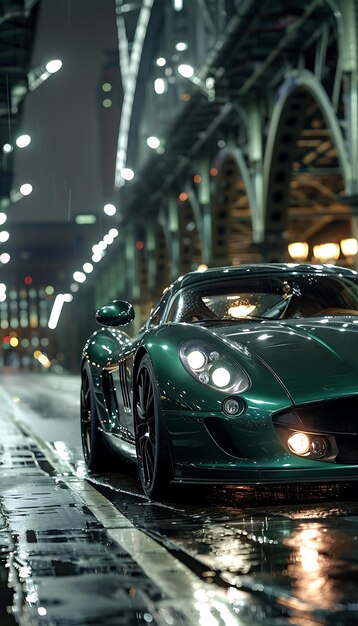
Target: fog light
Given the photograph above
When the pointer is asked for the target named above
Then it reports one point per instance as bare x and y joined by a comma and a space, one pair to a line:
299, 443
319, 447
232, 406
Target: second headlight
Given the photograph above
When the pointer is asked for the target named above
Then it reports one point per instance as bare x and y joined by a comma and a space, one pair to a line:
213, 368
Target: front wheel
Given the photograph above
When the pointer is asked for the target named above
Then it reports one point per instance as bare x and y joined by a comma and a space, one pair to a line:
153, 455
96, 454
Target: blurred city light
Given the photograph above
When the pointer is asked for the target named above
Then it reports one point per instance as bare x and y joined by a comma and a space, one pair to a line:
60, 299
160, 86
326, 252
26, 189
79, 277
3, 218
109, 209
7, 147
88, 268
349, 246
181, 46
298, 250
161, 62
53, 66
85, 218
4, 236
186, 70
153, 142
127, 173
23, 140
4, 258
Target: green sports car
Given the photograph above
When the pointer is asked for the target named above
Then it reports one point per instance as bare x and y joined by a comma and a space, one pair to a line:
240, 375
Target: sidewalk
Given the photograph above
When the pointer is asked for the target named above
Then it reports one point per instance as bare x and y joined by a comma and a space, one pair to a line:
61, 566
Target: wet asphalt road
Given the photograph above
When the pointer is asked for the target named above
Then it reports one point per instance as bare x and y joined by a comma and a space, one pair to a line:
72, 550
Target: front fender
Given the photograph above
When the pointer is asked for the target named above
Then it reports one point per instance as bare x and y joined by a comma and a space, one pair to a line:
178, 389
105, 347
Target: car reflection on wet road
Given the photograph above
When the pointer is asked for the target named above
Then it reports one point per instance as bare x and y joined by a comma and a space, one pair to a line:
93, 550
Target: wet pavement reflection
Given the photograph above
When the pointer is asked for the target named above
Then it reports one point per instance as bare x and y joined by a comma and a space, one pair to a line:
273, 555
294, 549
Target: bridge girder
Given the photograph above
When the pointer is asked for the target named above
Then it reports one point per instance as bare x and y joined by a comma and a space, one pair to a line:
262, 71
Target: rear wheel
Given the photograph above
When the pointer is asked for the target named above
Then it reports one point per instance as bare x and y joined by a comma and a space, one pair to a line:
154, 462
96, 454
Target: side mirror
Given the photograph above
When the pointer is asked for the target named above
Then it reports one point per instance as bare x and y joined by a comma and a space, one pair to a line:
116, 313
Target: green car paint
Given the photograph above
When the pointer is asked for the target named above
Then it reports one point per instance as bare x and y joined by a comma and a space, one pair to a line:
290, 363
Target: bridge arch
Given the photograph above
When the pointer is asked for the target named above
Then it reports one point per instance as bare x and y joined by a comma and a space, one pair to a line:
234, 206
300, 93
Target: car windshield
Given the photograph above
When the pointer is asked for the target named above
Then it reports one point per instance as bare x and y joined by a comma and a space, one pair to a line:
267, 297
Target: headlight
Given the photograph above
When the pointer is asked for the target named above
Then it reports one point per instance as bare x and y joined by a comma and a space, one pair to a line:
196, 359
213, 368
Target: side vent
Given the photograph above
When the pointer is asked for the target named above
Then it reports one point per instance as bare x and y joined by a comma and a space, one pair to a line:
124, 385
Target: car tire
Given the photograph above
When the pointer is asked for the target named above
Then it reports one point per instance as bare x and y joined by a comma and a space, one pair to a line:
152, 445
97, 455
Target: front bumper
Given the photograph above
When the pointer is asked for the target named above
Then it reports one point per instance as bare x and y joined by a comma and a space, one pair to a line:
215, 475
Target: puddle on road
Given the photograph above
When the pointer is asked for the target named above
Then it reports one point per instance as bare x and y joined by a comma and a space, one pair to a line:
294, 550
6, 595
265, 543
6, 592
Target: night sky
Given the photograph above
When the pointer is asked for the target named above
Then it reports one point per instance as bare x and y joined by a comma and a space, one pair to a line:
64, 160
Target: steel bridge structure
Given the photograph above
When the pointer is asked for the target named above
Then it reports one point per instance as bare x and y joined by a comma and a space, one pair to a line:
237, 135
254, 108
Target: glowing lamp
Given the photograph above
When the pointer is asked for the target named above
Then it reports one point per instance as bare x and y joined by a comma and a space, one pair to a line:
196, 359
299, 443
127, 173
349, 246
326, 252
298, 250
186, 70
23, 141
153, 142
221, 377
160, 86
53, 66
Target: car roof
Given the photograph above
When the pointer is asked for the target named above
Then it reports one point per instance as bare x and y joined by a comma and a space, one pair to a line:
239, 271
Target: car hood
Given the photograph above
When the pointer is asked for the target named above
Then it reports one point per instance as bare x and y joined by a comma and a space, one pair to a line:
314, 359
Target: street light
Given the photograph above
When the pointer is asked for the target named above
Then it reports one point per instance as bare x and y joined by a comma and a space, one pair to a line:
185, 70
109, 209
349, 246
26, 189
153, 142
53, 66
127, 173
41, 73
326, 252
298, 250
23, 141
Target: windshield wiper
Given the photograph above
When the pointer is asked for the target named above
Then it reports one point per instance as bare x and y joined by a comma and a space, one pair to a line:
230, 320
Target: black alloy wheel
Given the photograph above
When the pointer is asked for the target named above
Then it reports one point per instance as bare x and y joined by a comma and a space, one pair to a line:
96, 454
153, 455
